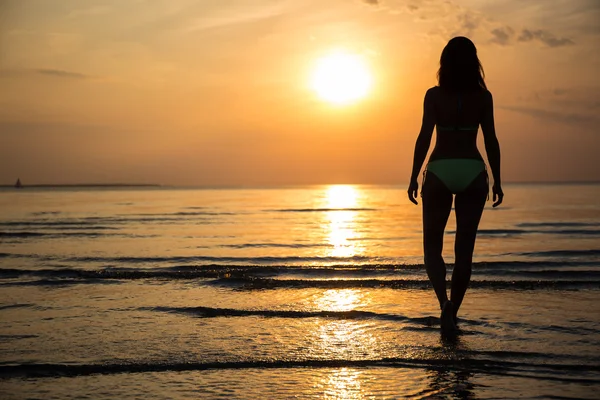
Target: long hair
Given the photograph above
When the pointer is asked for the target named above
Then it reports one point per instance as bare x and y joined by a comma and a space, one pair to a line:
460, 68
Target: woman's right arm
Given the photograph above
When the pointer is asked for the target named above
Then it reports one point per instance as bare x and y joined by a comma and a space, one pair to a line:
492, 146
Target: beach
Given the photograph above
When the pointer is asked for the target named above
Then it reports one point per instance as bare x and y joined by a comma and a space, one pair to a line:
292, 292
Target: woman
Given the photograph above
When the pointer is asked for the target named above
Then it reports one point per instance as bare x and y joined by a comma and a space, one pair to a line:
457, 106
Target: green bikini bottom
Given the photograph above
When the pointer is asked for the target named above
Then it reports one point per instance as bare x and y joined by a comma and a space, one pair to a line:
456, 173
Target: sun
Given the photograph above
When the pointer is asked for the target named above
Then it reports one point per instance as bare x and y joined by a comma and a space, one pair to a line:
341, 78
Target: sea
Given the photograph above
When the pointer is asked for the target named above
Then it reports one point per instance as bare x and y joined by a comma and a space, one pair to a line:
313, 292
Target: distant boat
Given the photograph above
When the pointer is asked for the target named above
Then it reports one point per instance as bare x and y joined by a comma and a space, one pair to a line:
18, 185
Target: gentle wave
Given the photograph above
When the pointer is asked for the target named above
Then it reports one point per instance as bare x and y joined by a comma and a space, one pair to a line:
41, 213
256, 260
210, 312
54, 224
51, 235
17, 337
125, 274
275, 245
252, 282
184, 213
543, 370
18, 305
331, 261
516, 232
552, 274
86, 227
580, 330
501, 268
422, 322
93, 222
62, 282
305, 210
419, 284
563, 253
557, 224
497, 268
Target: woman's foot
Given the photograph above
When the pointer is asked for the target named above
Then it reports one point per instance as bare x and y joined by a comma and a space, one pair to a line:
447, 319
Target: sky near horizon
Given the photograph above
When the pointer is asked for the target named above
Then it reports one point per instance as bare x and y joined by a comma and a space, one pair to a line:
189, 92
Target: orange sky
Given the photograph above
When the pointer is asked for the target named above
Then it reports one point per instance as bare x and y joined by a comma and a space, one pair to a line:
217, 92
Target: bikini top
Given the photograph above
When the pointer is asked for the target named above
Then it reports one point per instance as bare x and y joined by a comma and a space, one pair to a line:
457, 127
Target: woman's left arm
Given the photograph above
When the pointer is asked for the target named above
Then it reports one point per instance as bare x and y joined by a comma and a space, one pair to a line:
423, 143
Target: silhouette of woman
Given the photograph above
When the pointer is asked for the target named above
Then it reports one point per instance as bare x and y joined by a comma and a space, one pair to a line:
457, 106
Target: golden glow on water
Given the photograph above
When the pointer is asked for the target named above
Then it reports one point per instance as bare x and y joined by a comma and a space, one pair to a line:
343, 339
341, 230
341, 224
344, 384
339, 300
342, 196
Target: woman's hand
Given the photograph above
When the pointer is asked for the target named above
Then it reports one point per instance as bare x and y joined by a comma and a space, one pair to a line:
498, 195
413, 190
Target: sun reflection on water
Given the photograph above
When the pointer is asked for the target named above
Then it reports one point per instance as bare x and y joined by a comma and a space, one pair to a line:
343, 339
344, 383
342, 196
339, 300
342, 201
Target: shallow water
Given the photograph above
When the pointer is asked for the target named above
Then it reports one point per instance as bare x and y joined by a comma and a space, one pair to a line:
313, 292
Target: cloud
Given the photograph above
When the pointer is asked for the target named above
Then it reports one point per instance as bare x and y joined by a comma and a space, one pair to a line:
469, 22
420, 9
544, 37
10, 73
502, 36
62, 74
454, 19
574, 100
555, 116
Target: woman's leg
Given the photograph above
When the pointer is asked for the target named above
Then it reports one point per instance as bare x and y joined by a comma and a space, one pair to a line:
468, 208
437, 203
